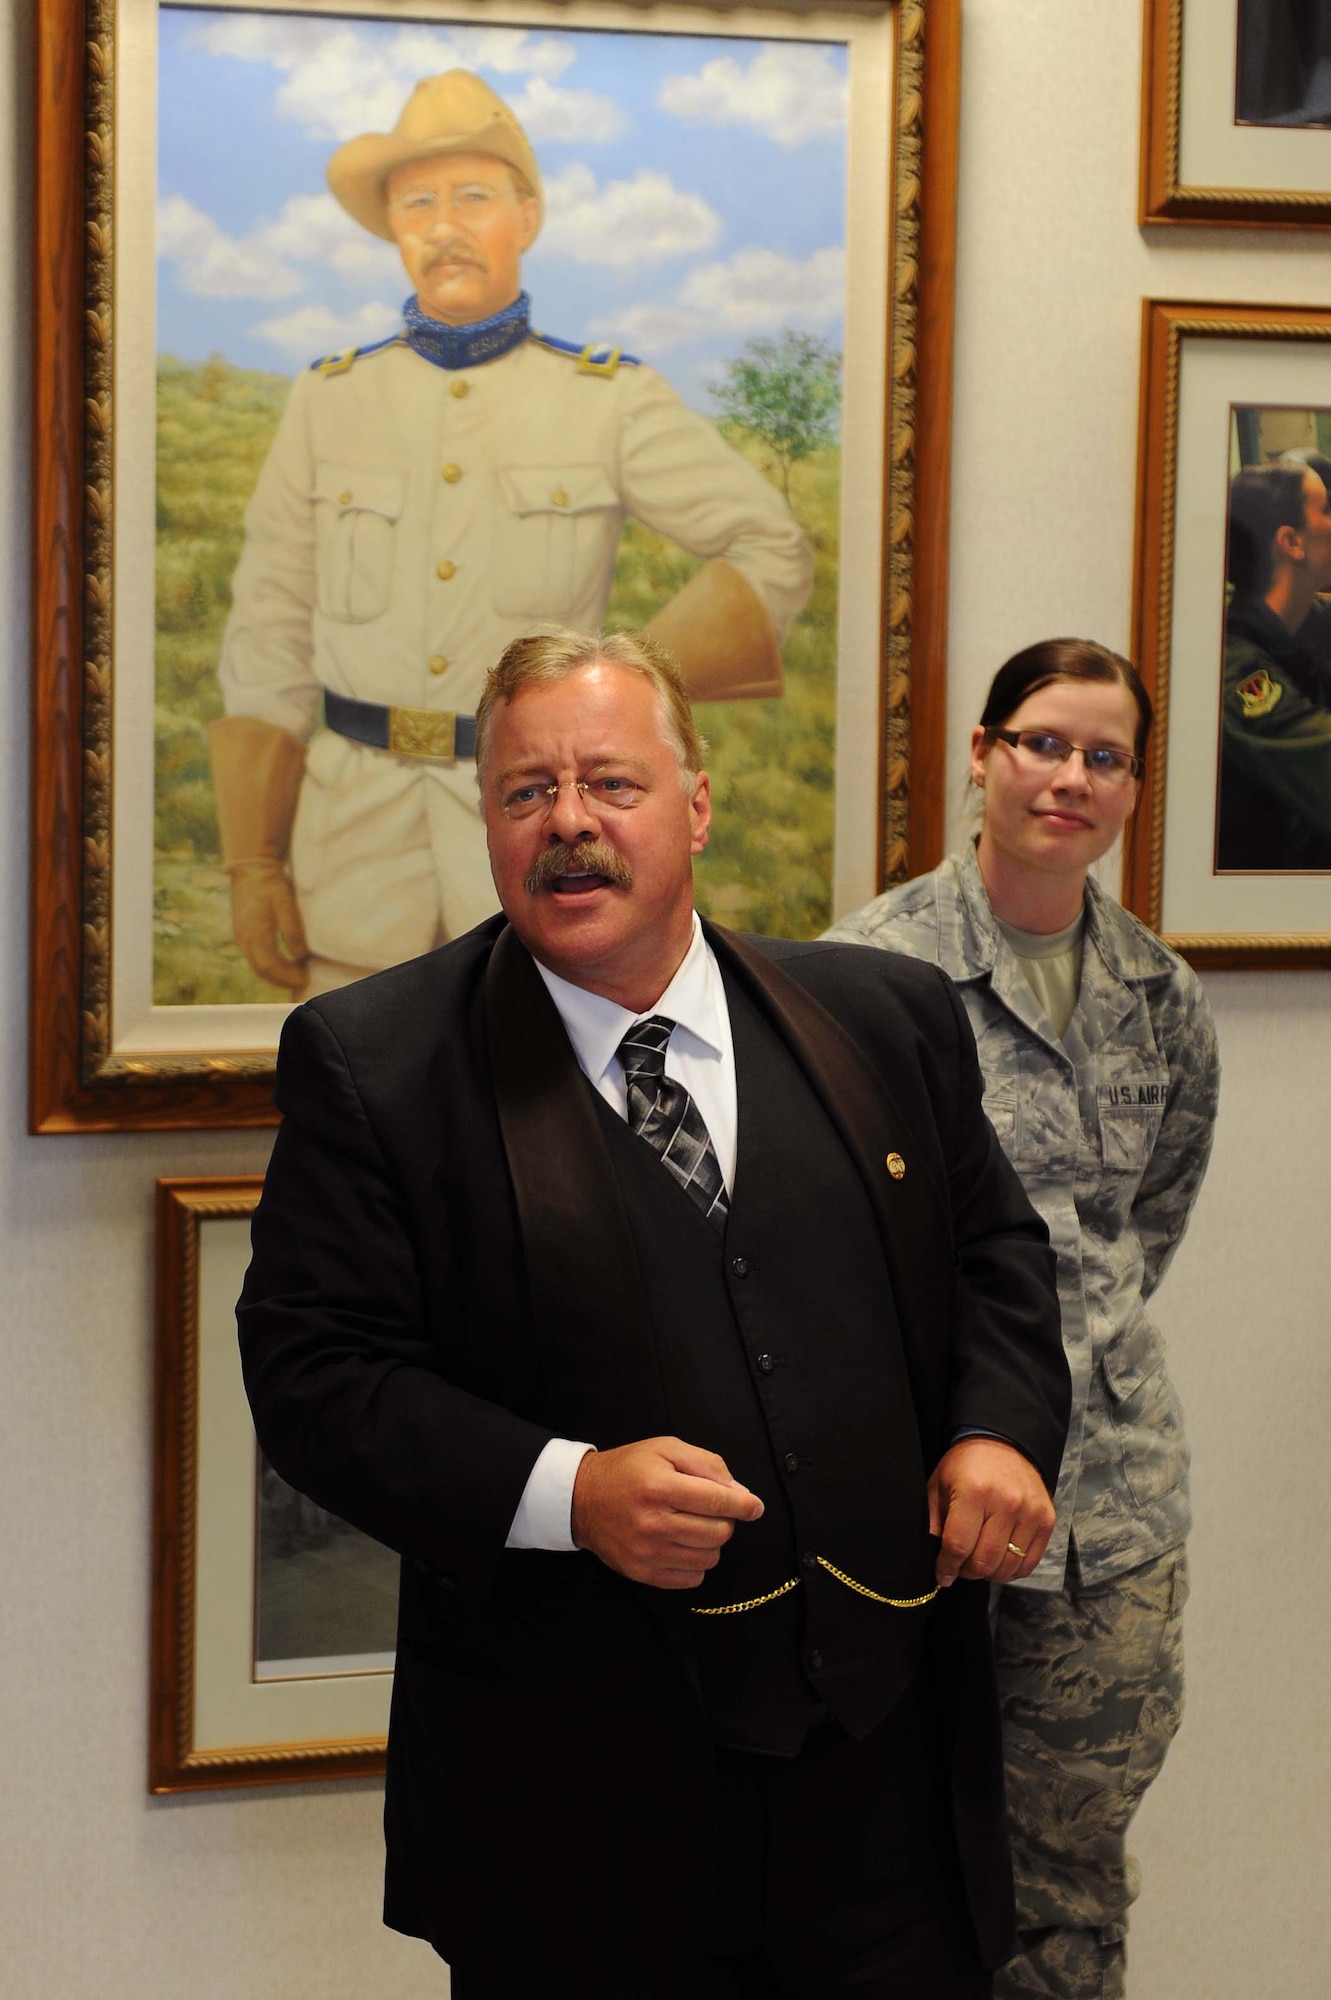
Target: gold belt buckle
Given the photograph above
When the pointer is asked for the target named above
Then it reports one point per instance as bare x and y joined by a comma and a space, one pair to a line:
422, 732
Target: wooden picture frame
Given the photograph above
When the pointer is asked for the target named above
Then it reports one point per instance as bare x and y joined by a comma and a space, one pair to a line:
1200, 165
1202, 364
215, 1720
82, 1076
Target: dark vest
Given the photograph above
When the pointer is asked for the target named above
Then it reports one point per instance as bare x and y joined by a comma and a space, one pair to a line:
778, 1347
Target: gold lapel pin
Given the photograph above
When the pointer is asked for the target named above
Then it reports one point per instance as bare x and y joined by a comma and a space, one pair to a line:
896, 1166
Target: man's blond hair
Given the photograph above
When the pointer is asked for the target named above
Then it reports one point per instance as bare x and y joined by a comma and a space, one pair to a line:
547, 657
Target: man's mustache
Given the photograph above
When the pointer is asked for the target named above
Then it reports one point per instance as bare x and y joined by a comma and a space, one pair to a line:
454, 252
584, 857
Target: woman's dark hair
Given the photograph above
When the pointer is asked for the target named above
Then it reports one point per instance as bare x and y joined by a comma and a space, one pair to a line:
1050, 660
1262, 499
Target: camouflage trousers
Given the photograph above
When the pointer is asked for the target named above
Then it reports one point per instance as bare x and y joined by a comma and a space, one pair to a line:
1091, 1684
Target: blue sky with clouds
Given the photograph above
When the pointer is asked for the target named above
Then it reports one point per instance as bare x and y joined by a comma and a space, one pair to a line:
695, 186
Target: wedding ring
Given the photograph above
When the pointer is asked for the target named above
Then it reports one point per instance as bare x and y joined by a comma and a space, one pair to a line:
1015, 1550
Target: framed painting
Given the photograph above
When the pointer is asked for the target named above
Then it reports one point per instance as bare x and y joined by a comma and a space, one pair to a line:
1229, 857
1236, 113
285, 522
273, 1622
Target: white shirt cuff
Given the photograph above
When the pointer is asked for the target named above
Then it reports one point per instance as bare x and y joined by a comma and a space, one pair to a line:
545, 1511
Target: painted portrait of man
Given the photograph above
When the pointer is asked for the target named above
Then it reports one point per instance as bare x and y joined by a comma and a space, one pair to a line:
471, 473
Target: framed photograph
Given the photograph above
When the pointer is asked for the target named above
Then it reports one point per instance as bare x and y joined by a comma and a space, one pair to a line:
273, 1622
285, 522
1229, 856
1236, 113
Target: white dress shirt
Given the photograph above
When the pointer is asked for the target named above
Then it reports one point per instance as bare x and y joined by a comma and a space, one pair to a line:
701, 1056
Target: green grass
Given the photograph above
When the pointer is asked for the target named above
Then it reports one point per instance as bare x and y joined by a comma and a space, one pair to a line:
768, 867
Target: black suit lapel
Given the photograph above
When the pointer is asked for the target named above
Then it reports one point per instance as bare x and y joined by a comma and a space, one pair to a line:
587, 1298
911, 1220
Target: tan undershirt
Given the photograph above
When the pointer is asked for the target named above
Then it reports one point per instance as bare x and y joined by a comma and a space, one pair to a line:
1051, 961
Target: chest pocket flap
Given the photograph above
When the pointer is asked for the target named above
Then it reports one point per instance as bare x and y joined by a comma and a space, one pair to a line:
358, 489
355, 522
564, 490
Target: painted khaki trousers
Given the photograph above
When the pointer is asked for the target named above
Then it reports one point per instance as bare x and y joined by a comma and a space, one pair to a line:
1091, 1683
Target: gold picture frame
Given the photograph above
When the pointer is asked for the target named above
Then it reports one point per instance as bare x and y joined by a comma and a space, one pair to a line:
84, 1075
1200, 364
1201, 165
215, 1720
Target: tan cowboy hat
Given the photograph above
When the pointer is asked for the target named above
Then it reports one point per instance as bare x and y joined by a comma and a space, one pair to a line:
452, 113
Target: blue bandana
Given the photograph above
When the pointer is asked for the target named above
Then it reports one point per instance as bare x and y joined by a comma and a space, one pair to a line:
466, 346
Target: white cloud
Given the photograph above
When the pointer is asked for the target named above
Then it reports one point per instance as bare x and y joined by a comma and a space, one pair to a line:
545, 112
314, 229
756, 291
310, 229
642, 221
212, 265
646, 330
791, 93
340, 81
312, 331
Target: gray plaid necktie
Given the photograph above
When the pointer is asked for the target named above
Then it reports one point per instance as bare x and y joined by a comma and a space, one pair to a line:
664, 1114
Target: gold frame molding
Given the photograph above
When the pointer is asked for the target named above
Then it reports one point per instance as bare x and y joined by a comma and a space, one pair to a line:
1166, 324
174, 1762
1162, 197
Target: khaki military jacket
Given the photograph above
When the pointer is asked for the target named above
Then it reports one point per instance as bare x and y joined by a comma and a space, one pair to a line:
1110, 1129
408, 523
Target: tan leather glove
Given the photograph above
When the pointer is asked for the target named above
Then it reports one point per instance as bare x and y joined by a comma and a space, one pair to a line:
718, 629
257, 772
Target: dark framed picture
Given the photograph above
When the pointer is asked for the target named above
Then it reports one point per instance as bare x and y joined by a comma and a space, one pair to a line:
274, 1622
1236, 113
1230, 857
285, 523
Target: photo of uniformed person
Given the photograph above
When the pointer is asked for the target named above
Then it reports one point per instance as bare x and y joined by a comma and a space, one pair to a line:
1284, 63
1274, 810
426, 500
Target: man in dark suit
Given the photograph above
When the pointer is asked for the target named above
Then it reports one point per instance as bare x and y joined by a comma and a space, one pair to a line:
662, 1295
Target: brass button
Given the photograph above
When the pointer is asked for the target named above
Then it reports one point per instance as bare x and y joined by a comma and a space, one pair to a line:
461, 388
559, 497
344, 499
896, 1166
445, 571
452, 473
439, 665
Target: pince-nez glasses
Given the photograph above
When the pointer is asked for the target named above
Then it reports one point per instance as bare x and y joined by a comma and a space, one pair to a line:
525, 801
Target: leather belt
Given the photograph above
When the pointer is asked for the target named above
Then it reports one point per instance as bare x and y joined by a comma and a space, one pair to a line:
433, 735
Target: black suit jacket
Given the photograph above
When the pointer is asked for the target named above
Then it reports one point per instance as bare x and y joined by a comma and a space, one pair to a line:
444, 1278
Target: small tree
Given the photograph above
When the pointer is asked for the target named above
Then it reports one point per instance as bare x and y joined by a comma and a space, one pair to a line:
786, 389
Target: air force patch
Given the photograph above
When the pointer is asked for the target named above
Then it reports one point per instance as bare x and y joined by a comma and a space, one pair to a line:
1258, 695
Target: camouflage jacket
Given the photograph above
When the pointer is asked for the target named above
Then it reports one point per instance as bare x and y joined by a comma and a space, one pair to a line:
1110, 1130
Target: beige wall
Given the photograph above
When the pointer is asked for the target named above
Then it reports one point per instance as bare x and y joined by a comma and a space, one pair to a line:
106, 1893
1052, 271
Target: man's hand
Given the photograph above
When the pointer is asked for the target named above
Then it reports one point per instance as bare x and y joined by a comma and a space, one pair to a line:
265, 917
660, 1511
985, 1499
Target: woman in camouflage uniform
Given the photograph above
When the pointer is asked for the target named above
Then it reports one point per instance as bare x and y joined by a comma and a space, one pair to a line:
1101, 1079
